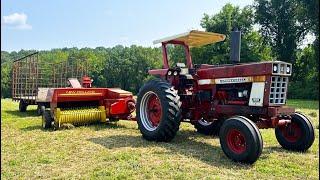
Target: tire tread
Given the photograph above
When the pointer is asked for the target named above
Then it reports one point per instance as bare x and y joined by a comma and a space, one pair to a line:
171, 123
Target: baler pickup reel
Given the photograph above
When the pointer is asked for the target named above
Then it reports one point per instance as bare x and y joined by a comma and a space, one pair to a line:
79, 116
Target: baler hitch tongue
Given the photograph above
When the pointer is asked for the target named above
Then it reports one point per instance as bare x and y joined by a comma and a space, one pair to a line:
80, 116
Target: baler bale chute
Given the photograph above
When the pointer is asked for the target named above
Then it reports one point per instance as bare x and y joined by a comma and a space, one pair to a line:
80, 105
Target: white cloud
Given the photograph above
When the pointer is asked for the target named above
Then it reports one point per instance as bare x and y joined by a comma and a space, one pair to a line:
16, 21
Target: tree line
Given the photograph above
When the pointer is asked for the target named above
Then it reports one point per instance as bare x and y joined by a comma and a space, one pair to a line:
271, 30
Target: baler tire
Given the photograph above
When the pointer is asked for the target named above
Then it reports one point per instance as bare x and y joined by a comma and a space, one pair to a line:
169, 105
211, 129
46, 120
301, 125
22, 106
241, 140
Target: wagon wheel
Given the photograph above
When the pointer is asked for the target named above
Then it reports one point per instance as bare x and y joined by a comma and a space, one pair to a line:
46, 119
40, 110
158, 111
22, 106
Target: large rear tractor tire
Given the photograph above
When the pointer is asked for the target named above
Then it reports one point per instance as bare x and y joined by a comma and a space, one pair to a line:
297, 135
158, 111
22, 106
208, 128
46, 119
241, 140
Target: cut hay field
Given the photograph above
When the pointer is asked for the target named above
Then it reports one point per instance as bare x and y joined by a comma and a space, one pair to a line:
117, 151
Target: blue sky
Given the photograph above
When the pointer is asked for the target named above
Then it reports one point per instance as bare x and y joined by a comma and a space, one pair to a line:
47, 24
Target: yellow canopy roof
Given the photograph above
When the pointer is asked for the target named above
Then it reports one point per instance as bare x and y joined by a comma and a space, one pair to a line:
194, 38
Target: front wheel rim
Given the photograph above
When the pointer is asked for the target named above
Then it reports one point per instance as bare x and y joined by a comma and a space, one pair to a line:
236, 141
150, 111
292, 132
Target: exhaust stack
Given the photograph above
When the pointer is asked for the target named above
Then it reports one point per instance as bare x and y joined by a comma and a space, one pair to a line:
235, 46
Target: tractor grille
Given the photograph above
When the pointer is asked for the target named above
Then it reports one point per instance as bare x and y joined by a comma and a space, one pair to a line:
278, 90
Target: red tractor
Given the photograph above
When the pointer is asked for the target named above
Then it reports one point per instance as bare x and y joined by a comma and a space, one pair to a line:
231, 100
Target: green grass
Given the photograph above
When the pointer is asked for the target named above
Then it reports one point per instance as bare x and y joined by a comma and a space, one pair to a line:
117, 151
303, 104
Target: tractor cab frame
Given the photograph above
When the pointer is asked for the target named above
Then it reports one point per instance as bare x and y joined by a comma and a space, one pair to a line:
187, 40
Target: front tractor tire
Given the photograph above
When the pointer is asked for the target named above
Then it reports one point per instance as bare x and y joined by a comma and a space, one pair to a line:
158, 111
241, 140
297, 135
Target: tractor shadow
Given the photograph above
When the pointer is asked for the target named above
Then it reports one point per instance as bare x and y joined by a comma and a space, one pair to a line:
32, 128
271, 149
183, 144
28, 113
108, 125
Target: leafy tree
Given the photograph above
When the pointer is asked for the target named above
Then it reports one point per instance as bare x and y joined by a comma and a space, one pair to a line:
223, 22
282, 26
5, 79
306, 85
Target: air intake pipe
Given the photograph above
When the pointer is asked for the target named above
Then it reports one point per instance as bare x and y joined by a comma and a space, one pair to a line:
235, 45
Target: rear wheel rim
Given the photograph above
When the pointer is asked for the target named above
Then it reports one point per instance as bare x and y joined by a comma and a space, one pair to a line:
236, 141
204, 122
292, 132
150, 111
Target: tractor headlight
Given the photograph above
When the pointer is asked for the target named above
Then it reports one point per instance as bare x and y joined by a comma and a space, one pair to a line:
175, 73
275, 68
169, 73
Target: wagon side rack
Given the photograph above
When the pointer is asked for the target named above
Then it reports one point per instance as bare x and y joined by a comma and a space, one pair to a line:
32, 78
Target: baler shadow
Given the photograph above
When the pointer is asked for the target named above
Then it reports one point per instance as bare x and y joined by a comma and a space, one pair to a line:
28, 113
94, 126
182, 144
108, 125
32, 128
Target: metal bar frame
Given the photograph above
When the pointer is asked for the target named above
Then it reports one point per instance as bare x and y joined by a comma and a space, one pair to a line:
29, 74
